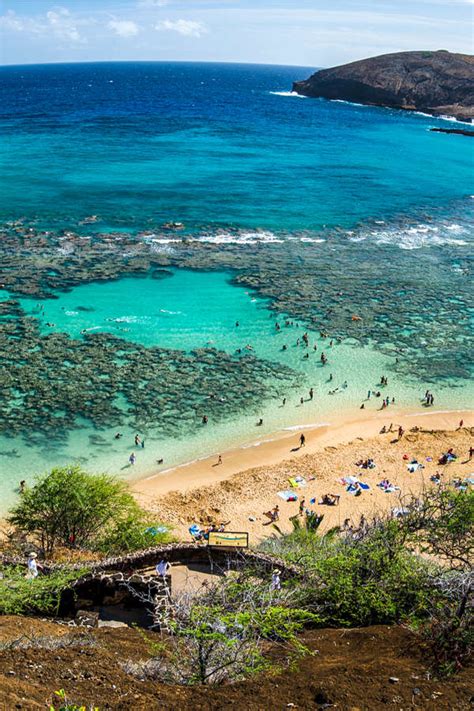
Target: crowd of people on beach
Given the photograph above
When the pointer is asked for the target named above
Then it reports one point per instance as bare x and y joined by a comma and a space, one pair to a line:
354, 486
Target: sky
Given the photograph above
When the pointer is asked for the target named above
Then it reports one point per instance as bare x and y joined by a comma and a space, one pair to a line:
311, 33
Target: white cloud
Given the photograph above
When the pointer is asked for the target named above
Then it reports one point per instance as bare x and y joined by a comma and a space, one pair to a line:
124, 28
63, 25
11, 21
187, 28
58, 22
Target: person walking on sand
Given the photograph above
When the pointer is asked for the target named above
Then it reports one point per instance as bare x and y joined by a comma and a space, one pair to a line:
461, 423
302, 440
301, 507
471, 452
219, 459
401, 432
311, 393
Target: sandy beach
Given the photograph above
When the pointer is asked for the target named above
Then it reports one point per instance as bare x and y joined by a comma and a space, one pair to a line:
247, 482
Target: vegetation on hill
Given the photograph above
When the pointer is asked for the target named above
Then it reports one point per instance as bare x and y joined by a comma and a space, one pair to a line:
415, 570
95, 512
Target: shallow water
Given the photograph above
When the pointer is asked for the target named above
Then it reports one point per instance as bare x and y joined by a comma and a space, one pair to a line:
190, 310
319, 209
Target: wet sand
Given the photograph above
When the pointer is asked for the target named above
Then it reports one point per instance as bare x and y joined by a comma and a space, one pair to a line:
246, 483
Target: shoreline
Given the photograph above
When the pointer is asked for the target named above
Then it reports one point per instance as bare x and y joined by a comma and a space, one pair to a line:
282, 448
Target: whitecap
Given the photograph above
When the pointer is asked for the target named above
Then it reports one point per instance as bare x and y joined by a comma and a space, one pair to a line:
243, 238
288, 93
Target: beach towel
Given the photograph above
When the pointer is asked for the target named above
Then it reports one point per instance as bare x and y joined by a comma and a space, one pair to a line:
351, 489
297, 481
287, 495
155, 530
389, 489
414, 466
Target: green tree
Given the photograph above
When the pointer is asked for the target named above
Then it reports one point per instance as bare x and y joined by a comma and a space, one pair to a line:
68, 506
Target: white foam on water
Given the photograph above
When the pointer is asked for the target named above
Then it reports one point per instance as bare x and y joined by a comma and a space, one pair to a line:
415, 236
71, 313
258, 443
433, 412
130, 319
459, 229
312, 426
243, 238
288, 93
351, 103
453, 119
310, 239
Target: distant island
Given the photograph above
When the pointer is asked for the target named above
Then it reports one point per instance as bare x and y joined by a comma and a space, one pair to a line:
438, 83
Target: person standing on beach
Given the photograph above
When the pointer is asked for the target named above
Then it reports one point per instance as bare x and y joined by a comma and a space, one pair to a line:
302, 440
302, 505
219, 459
311, 393
132, 458
137, 440
401, 432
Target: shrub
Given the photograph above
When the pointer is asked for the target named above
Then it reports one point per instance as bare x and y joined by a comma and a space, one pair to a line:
69, 507
22, 596
374, 580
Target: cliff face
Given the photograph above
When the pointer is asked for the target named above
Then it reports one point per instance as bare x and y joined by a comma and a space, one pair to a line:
434, 82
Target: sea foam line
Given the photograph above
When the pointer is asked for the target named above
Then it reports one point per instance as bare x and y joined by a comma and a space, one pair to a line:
288, 93
313, 425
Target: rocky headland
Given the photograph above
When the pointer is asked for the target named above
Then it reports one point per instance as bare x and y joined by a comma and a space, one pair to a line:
438, 83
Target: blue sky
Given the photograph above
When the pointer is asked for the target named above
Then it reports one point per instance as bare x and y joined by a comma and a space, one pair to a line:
302, 32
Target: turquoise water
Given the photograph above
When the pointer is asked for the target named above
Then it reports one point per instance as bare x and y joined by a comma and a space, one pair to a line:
190, 310
331, 208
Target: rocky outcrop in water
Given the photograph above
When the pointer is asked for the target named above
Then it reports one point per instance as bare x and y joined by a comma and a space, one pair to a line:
457, 131
433, 82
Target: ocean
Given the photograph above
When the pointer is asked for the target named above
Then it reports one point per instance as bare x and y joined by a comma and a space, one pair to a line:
350, 223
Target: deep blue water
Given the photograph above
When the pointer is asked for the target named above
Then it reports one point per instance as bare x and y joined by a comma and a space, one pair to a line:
210, 144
